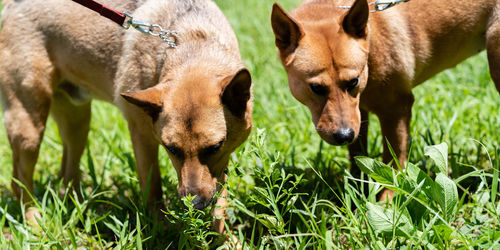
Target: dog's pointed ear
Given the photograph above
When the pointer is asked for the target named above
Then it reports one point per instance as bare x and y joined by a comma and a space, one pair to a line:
286, 30
354, 22
148, 100
236, 92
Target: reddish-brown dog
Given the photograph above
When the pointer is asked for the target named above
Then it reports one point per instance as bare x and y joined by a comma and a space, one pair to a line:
342, 63
193, 100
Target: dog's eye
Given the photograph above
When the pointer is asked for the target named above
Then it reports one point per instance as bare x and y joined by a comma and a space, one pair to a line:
175, 151
353, 83
213, 149
318, 89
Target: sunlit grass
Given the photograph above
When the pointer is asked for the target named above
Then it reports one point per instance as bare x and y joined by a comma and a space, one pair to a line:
286, 187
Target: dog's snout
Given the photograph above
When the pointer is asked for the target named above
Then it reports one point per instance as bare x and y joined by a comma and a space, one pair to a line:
344, 136
200, 202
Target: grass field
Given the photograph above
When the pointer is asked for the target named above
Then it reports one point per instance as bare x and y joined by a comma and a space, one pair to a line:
287, 189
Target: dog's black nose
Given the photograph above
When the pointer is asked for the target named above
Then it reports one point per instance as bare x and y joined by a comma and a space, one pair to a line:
344, 136
200, 202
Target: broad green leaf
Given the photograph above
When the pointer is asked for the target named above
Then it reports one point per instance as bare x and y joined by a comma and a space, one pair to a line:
417, 175
439, 154
437, 194
416, 210
379, 171
366, 164
379, 245
483, 198
446, 195
415, 197
269, 221
385, 220
444, 231
412, 171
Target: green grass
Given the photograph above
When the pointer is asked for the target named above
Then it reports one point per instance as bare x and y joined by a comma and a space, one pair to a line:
286, 187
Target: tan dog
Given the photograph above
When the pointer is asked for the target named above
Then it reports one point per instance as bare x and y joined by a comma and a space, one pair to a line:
342, 63
194, 100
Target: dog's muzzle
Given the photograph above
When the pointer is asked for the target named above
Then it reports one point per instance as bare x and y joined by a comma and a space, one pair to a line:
201, 203
343, 136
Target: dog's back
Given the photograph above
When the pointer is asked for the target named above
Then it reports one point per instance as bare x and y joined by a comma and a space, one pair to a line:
78, 40
74, 38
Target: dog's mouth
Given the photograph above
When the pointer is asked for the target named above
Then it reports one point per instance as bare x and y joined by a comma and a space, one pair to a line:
204, 197
201, 202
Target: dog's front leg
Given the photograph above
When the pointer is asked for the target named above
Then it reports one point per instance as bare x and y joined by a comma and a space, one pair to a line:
359, 147
146, 158
395, 123
73, 122
219, 213
219, 210
26, 105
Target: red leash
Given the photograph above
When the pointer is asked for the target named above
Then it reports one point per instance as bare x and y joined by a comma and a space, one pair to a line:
168, 36
113, 15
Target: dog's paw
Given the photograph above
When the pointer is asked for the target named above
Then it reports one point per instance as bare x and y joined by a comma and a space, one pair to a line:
234, 243
31, 215
386, 195
231, 242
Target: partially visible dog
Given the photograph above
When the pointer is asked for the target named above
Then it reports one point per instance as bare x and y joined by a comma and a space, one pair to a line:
193, 100
343, 63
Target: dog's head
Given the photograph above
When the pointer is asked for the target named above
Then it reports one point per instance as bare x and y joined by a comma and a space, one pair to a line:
324, 50
200, 119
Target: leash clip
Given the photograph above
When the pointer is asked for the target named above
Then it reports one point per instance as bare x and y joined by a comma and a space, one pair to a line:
168, 36
381, 5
